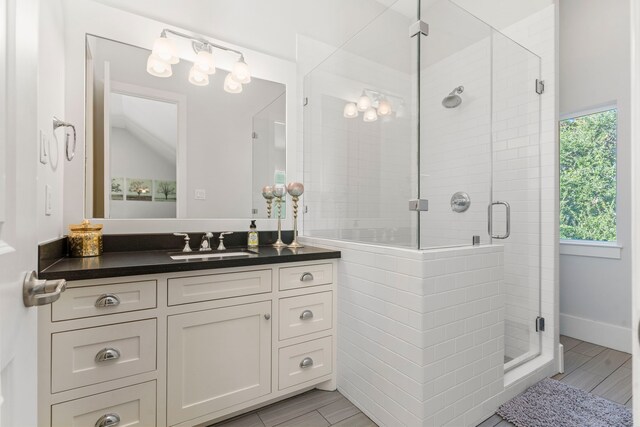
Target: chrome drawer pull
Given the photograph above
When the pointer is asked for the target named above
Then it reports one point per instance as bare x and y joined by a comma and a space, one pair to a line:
107, 300
307, 314
306, 277
307, 362
107, 354
108, 420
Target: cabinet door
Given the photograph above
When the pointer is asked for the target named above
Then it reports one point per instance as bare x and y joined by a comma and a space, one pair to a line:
217, 358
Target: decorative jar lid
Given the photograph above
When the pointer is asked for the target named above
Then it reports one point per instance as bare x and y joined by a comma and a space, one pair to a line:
85, 226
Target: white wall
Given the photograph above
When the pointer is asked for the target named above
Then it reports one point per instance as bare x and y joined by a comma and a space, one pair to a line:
595, 293
51, 103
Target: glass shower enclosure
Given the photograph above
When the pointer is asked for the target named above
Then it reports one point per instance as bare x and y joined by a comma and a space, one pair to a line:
423, 131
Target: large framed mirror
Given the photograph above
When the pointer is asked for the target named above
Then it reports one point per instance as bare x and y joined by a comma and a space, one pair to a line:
165, 148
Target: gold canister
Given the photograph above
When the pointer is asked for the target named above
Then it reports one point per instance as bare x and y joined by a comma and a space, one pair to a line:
85, 239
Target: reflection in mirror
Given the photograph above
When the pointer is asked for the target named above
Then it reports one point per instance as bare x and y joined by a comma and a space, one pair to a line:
165, 148
143, 140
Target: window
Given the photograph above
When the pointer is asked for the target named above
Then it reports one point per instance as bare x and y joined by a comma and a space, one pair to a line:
588, 176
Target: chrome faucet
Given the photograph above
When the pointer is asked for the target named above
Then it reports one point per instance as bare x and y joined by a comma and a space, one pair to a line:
186, 248
205, 243
221, 245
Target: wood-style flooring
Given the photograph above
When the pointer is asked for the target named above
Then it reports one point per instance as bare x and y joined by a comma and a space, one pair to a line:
599, 370
593, 368
314, 408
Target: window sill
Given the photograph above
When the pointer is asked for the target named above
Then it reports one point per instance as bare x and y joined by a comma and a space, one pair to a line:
590, 249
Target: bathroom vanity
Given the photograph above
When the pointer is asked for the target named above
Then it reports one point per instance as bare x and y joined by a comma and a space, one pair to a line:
138, 338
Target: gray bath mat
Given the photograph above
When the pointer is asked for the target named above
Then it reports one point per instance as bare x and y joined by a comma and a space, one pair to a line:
551, 403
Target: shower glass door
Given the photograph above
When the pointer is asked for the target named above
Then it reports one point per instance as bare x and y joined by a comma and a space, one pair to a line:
516, 181
479, 145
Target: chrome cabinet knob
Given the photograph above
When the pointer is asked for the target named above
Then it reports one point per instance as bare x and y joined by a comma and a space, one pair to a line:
108, 420
107, 354
306, 277
267, 316
107, 300
307, 314
307, 362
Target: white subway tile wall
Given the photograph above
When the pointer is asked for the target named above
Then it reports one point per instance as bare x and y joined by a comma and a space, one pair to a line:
420, 339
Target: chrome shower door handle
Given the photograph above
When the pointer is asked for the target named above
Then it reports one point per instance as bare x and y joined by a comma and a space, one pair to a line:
508, 220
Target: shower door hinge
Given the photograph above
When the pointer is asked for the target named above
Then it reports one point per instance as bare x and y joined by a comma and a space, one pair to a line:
420, 205
539, 324
419, 27
539, 86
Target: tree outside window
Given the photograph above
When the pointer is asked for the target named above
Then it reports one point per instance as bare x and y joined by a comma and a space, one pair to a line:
588, 177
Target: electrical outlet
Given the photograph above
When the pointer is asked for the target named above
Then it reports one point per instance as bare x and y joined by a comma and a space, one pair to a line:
48, 202
200, 194
44, 157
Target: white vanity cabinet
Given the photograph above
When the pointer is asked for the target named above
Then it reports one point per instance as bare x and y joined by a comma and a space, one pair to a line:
186, 348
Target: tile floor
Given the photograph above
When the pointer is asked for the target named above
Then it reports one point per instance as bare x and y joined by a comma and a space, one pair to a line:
314, 408
599, 370
593, 368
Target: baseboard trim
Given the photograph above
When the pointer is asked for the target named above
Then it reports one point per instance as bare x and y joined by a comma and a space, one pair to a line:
604, 334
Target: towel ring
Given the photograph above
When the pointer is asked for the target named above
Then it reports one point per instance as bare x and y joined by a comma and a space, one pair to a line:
59, 123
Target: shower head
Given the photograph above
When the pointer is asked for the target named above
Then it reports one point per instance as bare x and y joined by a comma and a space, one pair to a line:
453, 99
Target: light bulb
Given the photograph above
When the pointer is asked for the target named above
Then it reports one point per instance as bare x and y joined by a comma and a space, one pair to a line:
370, 115
350, 110
157, 67
197, 77
384, 108
364, 102
231, 86
204, 62
240, 72
166, 50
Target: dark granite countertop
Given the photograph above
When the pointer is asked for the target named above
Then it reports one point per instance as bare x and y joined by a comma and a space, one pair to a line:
130, 263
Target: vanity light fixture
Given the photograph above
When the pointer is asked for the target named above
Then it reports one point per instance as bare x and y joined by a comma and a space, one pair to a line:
384, 107
364, 102
370, 115
231, 85
377, 104
197, 77
240, 72
350, 110
165, 53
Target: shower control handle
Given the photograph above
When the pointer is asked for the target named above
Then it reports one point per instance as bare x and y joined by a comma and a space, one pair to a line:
508, 220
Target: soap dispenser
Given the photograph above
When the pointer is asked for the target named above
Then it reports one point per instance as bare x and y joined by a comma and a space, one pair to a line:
252, 241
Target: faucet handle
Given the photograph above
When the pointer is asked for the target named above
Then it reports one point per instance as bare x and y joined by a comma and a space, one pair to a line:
221, 238
186, 248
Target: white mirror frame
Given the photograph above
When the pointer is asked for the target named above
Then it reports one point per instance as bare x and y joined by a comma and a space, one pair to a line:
84, 18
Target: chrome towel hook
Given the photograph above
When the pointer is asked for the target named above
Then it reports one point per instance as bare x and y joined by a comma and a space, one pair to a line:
59, 123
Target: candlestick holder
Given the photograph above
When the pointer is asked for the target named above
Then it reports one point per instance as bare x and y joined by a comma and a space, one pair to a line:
267, 193
279, 192
295, 190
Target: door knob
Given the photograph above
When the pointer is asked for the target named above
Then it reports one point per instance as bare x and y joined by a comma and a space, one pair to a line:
40, 292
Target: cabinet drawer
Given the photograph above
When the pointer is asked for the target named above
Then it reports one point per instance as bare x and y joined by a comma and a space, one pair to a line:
304, 362
96, 300
94, 355
306, 275
132, 406
305, 314
184, 290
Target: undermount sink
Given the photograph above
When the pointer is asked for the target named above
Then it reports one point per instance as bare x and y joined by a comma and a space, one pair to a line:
208, 255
